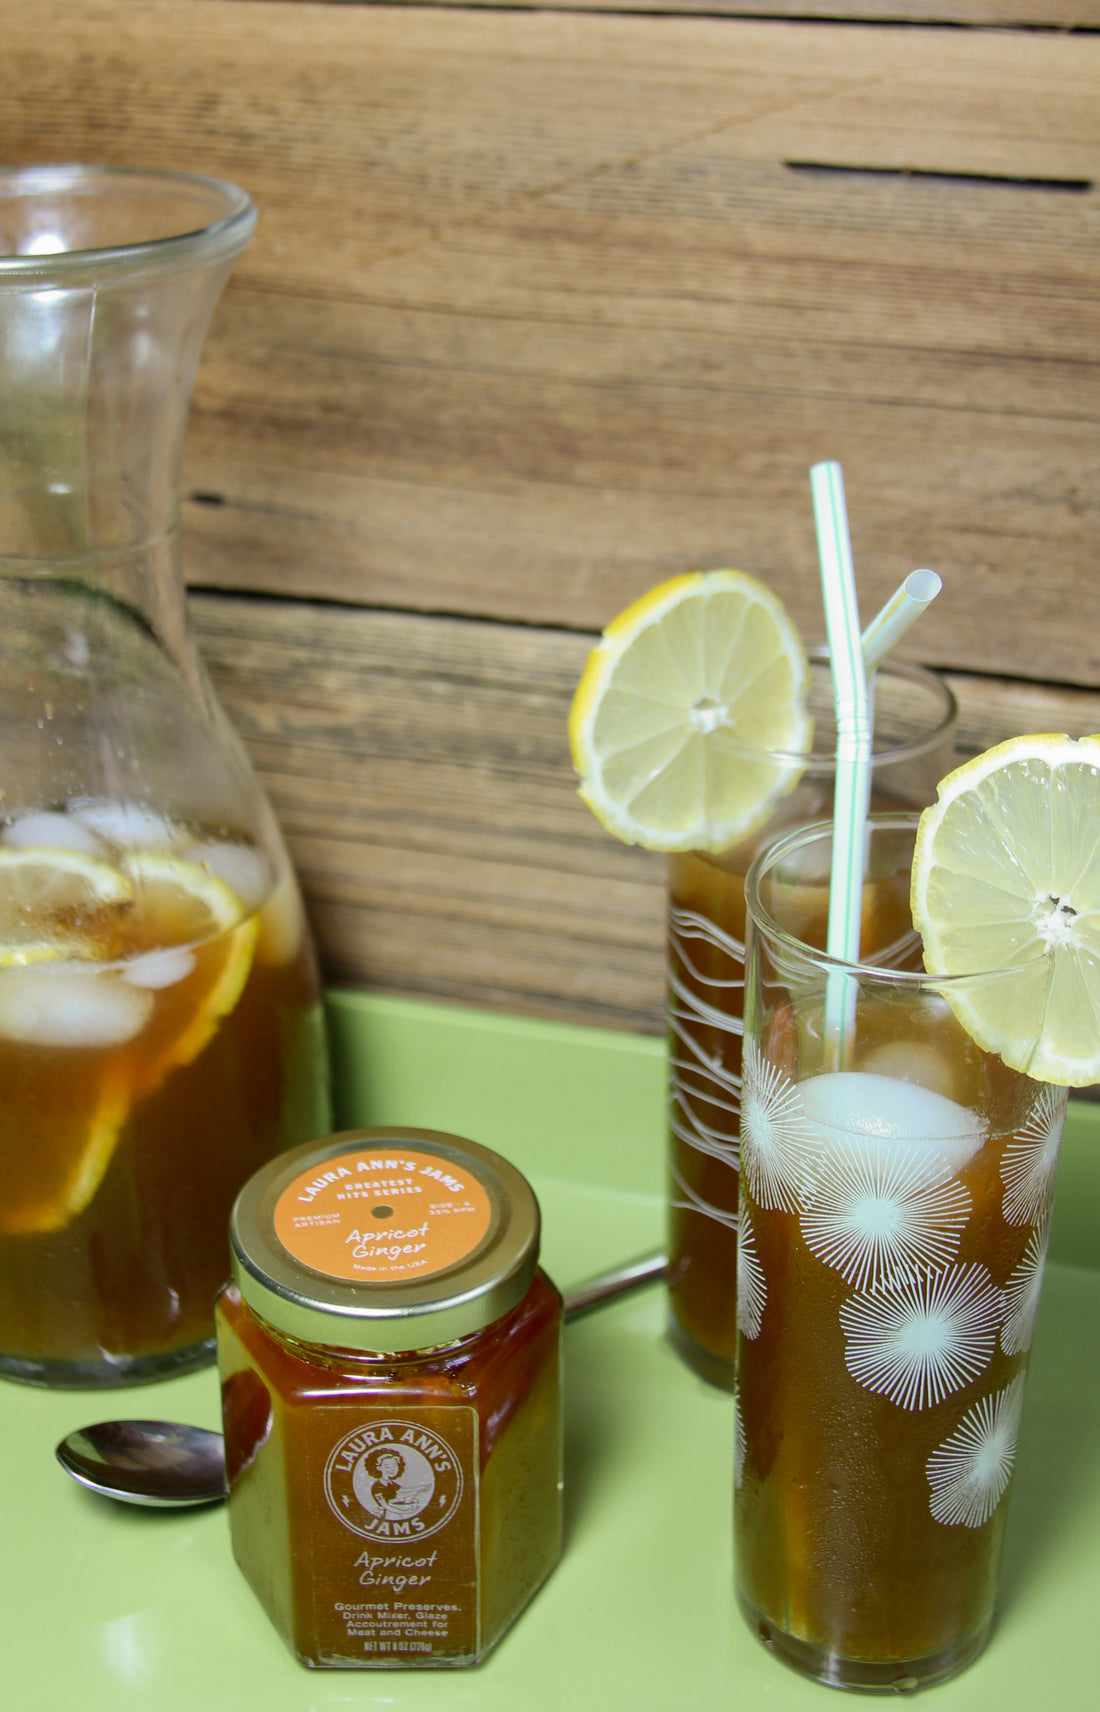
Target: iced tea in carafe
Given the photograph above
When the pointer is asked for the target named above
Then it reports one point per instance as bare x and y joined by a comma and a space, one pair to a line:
160, 1022
160, 1037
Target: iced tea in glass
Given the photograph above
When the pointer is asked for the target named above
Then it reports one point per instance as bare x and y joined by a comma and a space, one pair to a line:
894, 1215
914, 738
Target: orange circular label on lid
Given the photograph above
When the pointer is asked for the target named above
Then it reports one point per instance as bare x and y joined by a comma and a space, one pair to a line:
383, 1215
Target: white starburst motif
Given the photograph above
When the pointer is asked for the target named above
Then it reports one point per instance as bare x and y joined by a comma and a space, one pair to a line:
1022, 1293
924, 1336
970, 1471
739, 1443
776, 1140
752, 1289
878, 1209
1031, 1160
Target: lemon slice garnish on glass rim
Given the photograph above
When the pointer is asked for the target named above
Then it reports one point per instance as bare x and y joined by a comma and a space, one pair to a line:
688, 711
1006, 876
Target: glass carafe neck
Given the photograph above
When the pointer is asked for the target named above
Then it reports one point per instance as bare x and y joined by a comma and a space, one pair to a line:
107, 282
108, 279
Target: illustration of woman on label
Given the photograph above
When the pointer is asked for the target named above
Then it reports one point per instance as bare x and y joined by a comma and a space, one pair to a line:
393, 1483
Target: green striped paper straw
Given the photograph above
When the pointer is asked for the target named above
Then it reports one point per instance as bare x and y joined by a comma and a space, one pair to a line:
902, 609
853, 752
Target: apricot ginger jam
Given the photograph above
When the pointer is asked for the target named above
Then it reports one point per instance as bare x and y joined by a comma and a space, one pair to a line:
390, 1357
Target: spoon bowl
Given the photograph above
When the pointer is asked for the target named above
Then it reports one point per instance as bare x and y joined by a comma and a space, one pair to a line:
161, 1464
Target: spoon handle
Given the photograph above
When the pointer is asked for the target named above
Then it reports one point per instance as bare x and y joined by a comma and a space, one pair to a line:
138, 1462
615, 1283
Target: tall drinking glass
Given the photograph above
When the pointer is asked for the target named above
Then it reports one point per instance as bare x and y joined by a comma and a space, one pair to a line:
914, 744
896, 1192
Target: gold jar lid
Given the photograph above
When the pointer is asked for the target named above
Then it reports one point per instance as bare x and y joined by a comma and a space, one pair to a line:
385, 1239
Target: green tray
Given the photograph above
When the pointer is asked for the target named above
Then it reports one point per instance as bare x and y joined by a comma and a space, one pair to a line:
106, 1608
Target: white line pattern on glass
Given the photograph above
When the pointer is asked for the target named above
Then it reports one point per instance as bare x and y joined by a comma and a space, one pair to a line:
704, 1095
752, 1289
877, 1210
1031, 1160
924, 1336
686, 925
706, 1079
694, 1203
1022, 1293
970, 1471
689, 1127
776, 1140
699, 1007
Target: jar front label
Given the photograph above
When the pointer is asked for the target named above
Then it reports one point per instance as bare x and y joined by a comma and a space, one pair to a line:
394, 1537
383, 1215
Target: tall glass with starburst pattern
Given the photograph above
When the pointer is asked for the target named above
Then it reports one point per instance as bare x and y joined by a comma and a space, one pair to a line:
913, 748
895, 1204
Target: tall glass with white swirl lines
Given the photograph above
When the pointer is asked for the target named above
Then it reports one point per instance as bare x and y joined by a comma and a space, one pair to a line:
914, 736
896, 1196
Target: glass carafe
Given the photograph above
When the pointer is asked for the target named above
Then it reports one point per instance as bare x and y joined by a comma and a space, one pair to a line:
161, 1031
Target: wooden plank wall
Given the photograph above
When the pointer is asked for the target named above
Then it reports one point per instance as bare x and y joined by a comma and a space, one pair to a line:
547, 305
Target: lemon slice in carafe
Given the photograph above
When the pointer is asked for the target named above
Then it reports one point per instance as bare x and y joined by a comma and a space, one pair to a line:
111, 977
49, 1186
193, 928
57, 903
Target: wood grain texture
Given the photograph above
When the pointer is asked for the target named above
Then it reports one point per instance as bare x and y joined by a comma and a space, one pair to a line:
546, 306
540, 312
1035, 14
420, 768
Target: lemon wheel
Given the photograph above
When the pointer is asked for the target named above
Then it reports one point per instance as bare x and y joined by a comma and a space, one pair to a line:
690, 716
1006, 876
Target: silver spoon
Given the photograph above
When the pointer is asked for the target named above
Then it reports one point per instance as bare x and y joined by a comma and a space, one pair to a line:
161, 1464
167, 1465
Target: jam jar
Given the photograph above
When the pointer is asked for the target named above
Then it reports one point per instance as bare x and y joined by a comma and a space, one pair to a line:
390, 1357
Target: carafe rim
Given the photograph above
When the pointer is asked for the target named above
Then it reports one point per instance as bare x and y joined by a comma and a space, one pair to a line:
225, 218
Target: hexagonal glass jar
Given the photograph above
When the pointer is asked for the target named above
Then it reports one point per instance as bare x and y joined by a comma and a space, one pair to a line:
390, 1354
